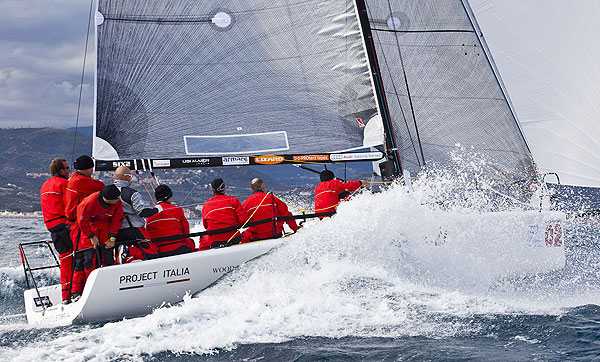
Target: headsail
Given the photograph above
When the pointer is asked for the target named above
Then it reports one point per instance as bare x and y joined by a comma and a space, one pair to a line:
547, 52
441, 88
189, 78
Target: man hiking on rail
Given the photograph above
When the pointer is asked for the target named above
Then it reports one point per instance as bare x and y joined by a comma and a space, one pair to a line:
99, 218
81, 185
221, 211
135, 210
262, 206
169, 221
53, 194
327, 192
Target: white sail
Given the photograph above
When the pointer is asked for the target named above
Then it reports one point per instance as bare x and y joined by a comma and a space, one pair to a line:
547, 52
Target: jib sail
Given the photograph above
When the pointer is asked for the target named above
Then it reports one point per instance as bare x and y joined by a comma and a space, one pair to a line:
441, 88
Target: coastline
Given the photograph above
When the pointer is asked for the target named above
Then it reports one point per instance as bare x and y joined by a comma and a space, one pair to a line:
25, 215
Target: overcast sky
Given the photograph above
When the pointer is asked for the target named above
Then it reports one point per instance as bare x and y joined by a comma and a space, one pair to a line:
42, 44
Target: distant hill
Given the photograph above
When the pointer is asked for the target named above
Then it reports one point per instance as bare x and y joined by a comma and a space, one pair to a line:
86, 130
25, 154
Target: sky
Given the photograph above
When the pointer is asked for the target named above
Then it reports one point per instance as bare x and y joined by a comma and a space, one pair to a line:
42, 45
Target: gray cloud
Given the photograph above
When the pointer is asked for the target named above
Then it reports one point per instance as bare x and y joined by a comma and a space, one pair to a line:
42, 46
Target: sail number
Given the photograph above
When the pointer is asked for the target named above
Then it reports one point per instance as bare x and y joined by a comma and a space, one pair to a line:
554, 235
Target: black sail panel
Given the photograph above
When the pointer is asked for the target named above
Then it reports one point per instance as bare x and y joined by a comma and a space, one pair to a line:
181, 78
440, 87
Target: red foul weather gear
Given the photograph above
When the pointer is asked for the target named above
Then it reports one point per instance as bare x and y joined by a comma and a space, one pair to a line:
94, 218
222, 211
78, 188
168, 222
262, 206
327, 193
52, 197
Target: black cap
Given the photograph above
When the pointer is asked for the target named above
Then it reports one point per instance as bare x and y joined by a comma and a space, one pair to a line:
83, 162
111, 192
326, 175
162, 193
218, 185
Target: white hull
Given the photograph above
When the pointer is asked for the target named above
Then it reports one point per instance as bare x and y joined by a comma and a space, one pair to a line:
137, 288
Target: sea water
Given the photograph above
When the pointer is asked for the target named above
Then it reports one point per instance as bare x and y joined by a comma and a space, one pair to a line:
358, 286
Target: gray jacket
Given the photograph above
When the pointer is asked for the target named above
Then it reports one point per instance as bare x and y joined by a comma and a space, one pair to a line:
133, 205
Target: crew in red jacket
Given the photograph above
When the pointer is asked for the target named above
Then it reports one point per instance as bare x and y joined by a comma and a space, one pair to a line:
221, 211
327, 193
53, 194
99, 218
169, 221
262, 206
80, 186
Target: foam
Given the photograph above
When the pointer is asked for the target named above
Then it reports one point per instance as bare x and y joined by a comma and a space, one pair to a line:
366, 272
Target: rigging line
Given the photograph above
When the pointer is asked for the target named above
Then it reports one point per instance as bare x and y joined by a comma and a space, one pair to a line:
87, 37
412, 109
424, 31
396, 93
143, 183
189, 193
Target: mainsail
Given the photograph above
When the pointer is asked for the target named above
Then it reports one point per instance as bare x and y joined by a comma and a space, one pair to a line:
202, 78
441, 87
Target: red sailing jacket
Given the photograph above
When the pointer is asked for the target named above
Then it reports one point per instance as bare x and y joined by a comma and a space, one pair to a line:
94, 219
259, 206
327, 194
53, 193
171, 221
78, 188
218, 212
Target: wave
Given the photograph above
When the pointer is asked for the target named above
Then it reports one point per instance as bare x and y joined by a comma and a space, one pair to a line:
367, 272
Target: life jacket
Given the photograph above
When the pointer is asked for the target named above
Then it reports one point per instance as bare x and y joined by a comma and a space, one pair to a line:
261, 206
170, 221
327, 194
96, 218
78, 188
218, 212
52, 197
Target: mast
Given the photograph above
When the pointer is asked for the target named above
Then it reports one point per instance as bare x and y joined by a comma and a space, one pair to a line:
392, 168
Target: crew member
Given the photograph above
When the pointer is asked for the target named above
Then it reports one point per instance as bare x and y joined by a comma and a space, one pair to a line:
327, 192
81, 185
262, 206
221, 211
135, 210
53, 193
99, 217
169, 221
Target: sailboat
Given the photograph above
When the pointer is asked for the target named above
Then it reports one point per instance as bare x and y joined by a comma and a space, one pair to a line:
230, 83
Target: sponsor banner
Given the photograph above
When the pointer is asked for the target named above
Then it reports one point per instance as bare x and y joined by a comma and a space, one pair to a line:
269, 159
161, 163
355, 156
116, 164
238, 160
311, 158
196, 161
